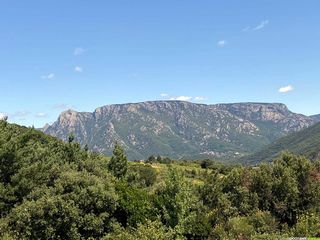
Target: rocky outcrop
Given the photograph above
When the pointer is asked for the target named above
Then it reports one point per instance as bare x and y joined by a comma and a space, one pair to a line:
180, 129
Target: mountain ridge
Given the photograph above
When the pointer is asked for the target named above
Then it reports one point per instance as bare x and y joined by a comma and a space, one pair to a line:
180, 129
316, 117
305, 142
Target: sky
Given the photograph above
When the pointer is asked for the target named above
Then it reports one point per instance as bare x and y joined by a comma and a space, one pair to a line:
56, 55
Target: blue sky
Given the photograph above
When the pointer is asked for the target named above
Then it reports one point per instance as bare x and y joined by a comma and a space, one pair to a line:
85, 54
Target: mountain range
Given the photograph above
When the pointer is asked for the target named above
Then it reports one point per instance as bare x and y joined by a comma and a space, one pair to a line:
181, 129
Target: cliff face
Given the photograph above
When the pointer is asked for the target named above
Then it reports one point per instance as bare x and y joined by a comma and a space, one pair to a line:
277, 113
180, 129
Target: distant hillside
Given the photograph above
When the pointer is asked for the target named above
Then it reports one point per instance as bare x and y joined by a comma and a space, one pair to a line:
316, 117
305, 142
180, 129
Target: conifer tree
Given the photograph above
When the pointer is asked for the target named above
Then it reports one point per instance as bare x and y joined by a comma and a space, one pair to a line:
118, 164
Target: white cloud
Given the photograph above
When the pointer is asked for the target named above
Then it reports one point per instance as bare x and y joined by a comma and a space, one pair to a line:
79, 51
78, 69
41, 115
261, 25
164, 95
222, 43
49, 76
181, 98
199, 98
286, 89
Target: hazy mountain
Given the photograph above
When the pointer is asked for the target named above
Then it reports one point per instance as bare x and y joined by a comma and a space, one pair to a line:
305, 142
316, 117
180, 129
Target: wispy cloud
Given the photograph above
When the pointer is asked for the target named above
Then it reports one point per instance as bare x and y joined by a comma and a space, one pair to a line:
20, 115
164, 95
78, 69
199, 99
78, 51
62, 106
260, 26
49, 76
286, 89
181, 98
222, 43
41, 115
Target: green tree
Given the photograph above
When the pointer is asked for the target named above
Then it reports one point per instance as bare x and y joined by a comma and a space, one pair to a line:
118, 164
71, 138
86, 148
180, 208
151, 159
134, 205
205, 163
141, 175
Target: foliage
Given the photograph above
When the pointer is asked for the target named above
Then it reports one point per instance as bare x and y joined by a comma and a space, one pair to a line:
308, 224
148, 231
135, 205
142, 175
55, 190
158, 159
118, 164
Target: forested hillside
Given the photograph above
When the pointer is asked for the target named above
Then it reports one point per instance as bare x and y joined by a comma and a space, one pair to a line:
305, 142
55, 190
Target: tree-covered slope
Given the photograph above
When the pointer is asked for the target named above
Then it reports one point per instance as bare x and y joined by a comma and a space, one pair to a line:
50, 189
180, 129
55, 190
305, 142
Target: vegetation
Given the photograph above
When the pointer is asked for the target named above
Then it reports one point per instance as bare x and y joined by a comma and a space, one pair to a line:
118, 164
55, 190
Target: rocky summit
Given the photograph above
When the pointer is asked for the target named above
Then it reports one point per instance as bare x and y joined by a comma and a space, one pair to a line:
180, 129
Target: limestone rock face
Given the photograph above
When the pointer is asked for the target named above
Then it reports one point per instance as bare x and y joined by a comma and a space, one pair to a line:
180, 129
